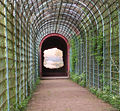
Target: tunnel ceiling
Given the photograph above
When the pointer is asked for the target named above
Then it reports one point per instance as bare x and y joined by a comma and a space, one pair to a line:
66, 17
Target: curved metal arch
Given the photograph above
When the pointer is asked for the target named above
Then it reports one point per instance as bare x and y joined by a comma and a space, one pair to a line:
44, 34
52, 19
90, 12
95, 5
33, 7
54, 22
62, 28
71, 23
67, 15
89, 0
84, 5
66, 30
100, 16
45, 3
74, 33
39, 38
54, 30
82, 13
62, 13
92, 3
86, 25
48, 15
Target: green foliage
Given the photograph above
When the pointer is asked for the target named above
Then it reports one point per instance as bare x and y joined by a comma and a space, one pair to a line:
101, 76
79, 79
97, 47
105, 94
74, 54
23, 105
108, 97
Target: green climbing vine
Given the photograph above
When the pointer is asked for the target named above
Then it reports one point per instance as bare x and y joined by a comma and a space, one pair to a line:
97, 47
79, 79
74, 54
76, 77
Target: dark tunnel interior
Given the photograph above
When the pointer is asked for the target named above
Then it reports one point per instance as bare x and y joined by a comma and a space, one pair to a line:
54, 42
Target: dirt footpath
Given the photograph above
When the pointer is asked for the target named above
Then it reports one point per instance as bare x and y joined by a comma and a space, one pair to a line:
64, 95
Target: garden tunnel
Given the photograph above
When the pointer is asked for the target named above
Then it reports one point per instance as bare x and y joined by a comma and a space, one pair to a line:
54, 41
92, 28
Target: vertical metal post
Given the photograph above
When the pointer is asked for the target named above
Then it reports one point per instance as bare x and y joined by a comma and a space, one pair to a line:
20, 61
119, 47
110, 58
35, 61
76, 47
89, 63
75, 54
79, 59
15, 52
32, 57
70, 60
98, 62
30, 73
93, 72
86, 54
23, 68
86, 60
98, 77
33, 48
6, 41
81, 54
78, 56
26, 53
103, 58
93, 67
82, 57
28, 63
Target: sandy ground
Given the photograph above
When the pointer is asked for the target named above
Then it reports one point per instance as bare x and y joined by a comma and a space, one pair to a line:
64, 95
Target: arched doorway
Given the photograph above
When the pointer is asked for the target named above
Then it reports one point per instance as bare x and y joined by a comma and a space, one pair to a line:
54, 41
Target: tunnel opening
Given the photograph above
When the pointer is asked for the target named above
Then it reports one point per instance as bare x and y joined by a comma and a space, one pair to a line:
59, 42
53, 58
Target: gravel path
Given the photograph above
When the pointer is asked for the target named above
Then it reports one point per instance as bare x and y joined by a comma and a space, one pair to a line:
64, 95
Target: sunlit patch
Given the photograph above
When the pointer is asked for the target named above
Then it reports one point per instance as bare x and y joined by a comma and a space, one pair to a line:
53, 58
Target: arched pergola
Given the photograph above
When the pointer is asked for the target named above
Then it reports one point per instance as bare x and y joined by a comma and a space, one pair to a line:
92, 28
